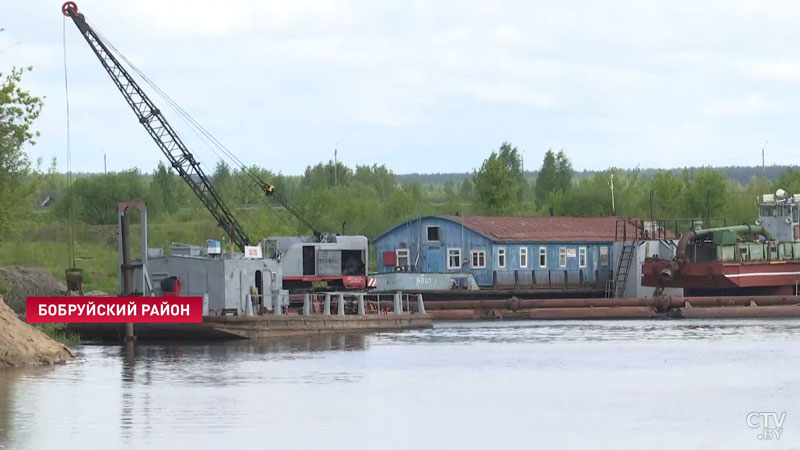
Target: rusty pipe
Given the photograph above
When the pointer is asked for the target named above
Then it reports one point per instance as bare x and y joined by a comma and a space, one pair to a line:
683, 242
513, 304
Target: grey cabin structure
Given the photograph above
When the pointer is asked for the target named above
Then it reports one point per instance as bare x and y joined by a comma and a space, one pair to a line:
505, 251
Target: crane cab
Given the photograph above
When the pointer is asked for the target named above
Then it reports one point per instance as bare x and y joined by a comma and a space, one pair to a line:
341, 262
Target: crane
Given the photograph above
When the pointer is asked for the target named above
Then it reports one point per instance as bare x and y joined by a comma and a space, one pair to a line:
171, 145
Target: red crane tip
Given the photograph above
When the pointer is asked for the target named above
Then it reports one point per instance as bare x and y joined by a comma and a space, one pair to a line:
70, 9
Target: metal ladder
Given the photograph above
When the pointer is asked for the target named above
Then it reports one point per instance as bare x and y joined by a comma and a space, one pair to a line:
624, 266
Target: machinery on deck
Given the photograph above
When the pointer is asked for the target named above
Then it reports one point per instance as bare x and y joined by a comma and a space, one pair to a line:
323, 258
760, 259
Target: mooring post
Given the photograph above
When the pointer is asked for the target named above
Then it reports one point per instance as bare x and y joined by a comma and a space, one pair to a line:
327, 309
341, 304
127, 271
306, 304
398, 302
420, 304
361, 311
278, 309
248, 306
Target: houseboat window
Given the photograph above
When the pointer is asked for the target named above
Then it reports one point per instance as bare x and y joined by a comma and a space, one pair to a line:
604, 256
402, 257
523, 257
433, 233
453, 258
767, 210
795, 214
581, 257
501, 258
478, 259
562, 256
542, 257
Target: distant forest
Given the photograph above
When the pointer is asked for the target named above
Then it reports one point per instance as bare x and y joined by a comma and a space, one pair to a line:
739, 174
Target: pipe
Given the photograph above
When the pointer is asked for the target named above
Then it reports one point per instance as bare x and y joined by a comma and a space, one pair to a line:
680, 254
515, 304
739, 312
675, 266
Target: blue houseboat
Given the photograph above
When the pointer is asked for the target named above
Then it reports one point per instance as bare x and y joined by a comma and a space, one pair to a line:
505, 251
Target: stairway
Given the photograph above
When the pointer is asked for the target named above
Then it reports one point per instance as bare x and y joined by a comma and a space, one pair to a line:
624, 266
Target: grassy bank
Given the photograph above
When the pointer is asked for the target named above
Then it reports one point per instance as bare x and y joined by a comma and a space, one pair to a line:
44, 246
58, 332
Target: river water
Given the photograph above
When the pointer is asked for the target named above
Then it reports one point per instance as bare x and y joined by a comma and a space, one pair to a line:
491, 385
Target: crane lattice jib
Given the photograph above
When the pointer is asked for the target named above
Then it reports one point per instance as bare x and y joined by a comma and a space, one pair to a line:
160, 130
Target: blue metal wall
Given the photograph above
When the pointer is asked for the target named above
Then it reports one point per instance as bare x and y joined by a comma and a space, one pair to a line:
431, 256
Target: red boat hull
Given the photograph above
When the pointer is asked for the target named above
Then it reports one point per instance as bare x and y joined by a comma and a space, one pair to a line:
715, 275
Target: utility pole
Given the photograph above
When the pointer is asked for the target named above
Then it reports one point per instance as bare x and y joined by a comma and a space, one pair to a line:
763, 165
613, 207
105, 168
335, 164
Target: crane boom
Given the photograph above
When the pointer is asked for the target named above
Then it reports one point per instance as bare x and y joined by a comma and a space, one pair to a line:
161, 131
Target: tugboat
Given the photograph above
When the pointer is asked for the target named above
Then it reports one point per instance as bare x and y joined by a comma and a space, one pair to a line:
759, 259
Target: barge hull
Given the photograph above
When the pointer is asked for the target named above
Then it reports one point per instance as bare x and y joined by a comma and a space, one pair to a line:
255, 327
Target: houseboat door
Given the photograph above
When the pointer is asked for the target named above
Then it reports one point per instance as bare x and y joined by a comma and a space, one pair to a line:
434, 259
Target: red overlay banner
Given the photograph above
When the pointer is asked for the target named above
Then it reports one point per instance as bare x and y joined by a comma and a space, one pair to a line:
115, 309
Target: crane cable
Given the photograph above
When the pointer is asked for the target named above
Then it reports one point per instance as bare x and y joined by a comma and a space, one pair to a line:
201, 132
70, 209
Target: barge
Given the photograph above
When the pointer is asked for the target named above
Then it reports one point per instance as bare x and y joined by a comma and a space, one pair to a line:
243, 295
758, 259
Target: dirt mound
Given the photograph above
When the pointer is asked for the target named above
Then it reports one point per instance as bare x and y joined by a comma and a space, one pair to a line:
23, 345
16, 283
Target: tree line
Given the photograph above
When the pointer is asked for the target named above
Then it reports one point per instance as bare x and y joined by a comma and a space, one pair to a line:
364, 199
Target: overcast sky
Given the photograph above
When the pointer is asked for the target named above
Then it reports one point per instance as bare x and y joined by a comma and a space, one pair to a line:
425, 86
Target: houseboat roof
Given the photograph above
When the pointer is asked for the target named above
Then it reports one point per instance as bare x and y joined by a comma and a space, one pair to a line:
541, 228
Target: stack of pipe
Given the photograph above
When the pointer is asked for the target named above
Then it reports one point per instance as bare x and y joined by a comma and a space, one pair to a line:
615, 308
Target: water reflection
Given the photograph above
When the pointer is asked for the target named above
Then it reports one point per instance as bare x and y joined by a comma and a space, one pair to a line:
453, 386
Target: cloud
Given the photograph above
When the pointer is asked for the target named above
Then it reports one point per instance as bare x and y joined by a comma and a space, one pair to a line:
622, 83
748, 104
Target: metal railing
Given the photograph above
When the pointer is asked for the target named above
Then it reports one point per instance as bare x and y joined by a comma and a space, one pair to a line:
630, 229
564, 279
341, 304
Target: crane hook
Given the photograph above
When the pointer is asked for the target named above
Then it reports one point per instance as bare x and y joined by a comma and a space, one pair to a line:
70, 9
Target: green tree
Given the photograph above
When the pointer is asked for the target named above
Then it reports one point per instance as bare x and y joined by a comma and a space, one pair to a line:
788, 181
499, 184
379, 177
165, 188
591, 196
668, 192
95, 197
705, 193
563, 178
466, 190
555, 175
327, 175
222, 180
18, 111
